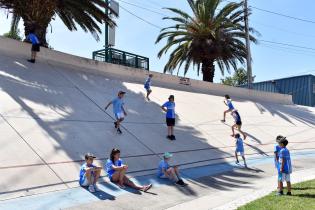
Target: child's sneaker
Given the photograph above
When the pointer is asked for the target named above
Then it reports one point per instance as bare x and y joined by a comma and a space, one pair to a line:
91, 189
173, 137
289, 193
237, 162
31, 60
96, 188
279, 193
223, 121
169, 137
181, 183
115, 123
119, 131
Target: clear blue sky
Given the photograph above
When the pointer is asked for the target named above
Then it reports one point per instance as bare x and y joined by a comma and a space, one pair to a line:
270, 61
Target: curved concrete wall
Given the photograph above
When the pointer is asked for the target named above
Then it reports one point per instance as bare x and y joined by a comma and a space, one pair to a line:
136, 75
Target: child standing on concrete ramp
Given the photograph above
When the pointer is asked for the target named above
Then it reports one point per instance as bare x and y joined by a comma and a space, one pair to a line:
228, 103
147, 85
238, 123
35, 45
169, 108
239, 149
118, 109
285, 168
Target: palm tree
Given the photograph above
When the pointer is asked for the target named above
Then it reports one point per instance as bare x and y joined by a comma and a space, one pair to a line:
210, 35
39, 13
14, 32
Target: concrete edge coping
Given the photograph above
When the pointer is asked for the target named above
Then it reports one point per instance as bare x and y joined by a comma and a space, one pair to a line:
138, 75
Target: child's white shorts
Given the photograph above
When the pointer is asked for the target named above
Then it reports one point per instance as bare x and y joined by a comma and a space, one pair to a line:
86, 182
285, 177
119, 115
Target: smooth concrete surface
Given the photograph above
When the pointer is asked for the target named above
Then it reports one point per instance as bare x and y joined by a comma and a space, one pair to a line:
52, 112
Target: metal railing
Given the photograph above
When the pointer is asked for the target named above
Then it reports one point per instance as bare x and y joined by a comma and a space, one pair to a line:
111, 55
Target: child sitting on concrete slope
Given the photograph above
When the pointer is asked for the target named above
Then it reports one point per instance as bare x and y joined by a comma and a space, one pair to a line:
165, 171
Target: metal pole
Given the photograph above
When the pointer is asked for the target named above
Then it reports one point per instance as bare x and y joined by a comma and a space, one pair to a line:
106, 26
249, 58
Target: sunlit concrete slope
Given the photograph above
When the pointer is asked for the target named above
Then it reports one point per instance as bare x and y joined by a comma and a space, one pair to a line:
52, 112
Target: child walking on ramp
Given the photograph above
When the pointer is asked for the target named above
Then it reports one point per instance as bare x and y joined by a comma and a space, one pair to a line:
118, 109
239, 149
228, 103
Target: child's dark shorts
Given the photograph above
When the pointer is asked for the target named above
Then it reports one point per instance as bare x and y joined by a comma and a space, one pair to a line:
170, 121
239, 123
35, 47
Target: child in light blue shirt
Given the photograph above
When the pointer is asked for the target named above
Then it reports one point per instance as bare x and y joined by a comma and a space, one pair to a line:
89, 173
276, 151
228, 102
285, 167
147, 85
169, 108
118, 109
239, 149
165, 171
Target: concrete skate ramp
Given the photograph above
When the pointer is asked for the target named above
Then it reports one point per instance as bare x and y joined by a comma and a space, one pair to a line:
52, 113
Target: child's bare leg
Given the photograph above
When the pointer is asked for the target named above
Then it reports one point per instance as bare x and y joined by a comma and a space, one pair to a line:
224, 114
121, 177
172, 174
97, 175
280, 186
88, 176
176, 170
118, 122
148, 93
131, 184
244, 160
172, 130
243, 133
233, 133
169, 130
33, 57
236, 157
289, 186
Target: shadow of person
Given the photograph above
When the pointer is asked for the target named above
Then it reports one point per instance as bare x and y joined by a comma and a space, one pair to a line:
101, 195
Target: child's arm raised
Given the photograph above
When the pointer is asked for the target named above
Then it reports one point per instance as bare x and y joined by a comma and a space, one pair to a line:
106, 107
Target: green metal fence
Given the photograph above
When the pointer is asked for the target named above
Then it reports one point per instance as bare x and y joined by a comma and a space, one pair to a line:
111, 55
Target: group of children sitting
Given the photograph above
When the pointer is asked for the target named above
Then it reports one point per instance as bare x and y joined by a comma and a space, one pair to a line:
116, 171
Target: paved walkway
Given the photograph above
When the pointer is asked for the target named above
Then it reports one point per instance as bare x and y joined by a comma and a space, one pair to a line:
223, 186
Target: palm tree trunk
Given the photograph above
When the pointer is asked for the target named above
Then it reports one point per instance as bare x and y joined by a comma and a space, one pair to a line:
36, 15
208, 70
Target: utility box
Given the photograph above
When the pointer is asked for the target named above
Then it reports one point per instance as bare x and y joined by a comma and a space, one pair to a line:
302, 88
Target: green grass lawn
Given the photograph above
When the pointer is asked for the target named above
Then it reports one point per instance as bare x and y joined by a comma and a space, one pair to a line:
303, 197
